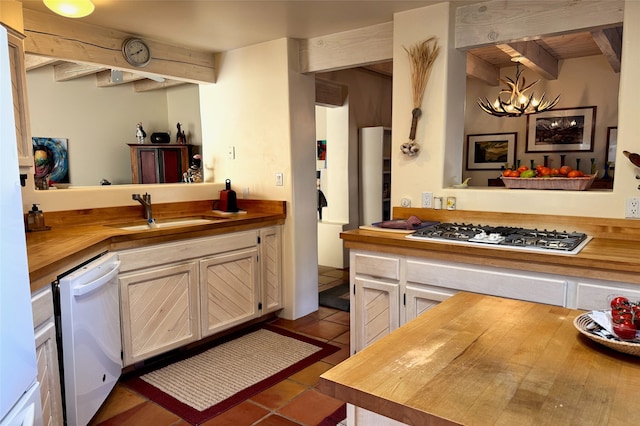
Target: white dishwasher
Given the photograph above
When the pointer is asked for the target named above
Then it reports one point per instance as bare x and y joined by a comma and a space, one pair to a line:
88, 328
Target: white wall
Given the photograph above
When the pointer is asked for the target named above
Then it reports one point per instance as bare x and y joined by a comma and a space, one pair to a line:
440, 129
265, 110
183, 106
332, 125
581, 82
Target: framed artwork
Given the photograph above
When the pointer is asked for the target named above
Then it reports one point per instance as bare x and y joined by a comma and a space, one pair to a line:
490, 151
51, 158
612, 144
561, 130
322, 150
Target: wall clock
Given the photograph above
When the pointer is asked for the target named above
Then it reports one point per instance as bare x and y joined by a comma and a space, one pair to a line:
136, 52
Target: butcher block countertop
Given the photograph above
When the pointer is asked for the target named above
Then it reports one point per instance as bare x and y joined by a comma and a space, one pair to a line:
612, 254
485, 360
76, 236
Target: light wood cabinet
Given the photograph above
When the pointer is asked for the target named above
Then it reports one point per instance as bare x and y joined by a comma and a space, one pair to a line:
177, 293
159, 310
377, 310
20, 105
270, 260
47, 357
391, 290
229, 288
594, 294
375, 297
375, 174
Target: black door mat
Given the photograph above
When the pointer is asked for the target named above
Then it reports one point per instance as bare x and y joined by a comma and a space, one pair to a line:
336, 297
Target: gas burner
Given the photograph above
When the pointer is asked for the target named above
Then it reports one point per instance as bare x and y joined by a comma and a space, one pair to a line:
505, 236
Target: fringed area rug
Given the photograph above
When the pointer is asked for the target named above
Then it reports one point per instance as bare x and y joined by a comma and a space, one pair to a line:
336, 297
204, 385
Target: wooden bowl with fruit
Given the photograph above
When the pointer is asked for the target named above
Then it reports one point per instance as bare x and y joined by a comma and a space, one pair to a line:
617, 328
547, 178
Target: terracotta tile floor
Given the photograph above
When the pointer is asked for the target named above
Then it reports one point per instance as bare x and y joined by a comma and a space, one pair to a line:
291, 402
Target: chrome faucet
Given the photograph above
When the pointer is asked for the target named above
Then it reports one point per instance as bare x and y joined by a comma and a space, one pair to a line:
145, 200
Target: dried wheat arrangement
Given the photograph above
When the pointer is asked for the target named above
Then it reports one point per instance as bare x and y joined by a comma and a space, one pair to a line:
421, 58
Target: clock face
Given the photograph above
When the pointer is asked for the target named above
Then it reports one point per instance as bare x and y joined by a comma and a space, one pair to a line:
136, 52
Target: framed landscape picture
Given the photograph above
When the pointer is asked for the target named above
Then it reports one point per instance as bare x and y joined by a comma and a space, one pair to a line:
490, 151
561, 130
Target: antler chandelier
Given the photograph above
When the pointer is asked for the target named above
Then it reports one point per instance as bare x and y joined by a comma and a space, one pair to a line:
518, 102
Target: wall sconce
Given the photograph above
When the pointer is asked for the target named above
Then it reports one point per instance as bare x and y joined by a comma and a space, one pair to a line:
518, 102
70, 8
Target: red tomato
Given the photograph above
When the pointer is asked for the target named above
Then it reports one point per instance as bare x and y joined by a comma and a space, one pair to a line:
618, 316
538, 167
635, 309
575, 173
515, 173
507, 173
522, 169
619, 301
625, 331
544, 171
564, 170
555, 172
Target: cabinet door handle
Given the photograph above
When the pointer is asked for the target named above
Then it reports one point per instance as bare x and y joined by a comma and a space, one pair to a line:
81, 290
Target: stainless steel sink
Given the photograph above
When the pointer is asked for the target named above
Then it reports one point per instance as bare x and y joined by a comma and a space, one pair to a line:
168, 223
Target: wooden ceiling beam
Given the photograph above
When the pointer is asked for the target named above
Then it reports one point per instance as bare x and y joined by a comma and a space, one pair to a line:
482, 70
329, 93
76, 41
32, 62
368, 45
534, 57
497, 21
384, 68
609, 40
147, 85
70, 70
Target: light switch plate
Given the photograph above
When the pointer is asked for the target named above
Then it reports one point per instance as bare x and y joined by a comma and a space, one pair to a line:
279, 179
427, 200
632, 209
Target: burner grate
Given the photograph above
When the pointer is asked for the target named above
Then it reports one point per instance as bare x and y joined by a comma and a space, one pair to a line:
551, 240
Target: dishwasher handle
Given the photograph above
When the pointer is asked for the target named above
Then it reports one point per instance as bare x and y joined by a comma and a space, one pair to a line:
81, 290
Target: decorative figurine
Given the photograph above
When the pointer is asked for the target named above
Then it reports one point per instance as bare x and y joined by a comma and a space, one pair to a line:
181, 138
194, 172
140, 133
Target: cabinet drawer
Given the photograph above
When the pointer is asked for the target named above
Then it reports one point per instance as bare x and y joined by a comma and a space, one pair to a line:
594, 295
377, 266
541, 288
161, 254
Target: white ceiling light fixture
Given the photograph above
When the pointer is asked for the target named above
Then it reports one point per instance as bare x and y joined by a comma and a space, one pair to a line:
70, 8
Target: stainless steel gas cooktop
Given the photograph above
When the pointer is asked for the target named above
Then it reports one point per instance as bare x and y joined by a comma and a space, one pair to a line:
505, 237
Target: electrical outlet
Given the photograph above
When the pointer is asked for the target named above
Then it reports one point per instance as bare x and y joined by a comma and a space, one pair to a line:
427, 199
633, 208
231, 152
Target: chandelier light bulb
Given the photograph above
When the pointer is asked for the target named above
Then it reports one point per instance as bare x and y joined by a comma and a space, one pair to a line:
519, 103
70, 8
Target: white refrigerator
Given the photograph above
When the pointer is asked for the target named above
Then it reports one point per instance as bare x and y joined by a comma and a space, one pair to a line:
19, 388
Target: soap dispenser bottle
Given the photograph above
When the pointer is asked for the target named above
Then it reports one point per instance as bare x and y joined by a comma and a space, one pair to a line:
35, 219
